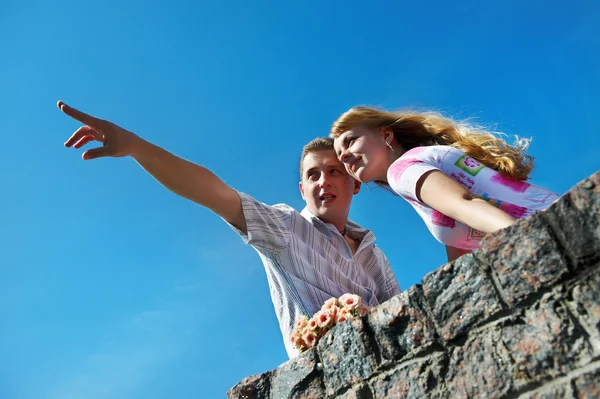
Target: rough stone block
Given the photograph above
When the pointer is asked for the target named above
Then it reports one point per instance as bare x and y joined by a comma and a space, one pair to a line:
414, 380
480, 368
576, 221
524, 257
544, 342
360, 391
586, 302
460, 295
298, 378
401, 325
347, 355
587, 386
253, 387
563, 391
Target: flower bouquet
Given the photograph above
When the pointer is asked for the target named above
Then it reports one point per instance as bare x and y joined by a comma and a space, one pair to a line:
307, 331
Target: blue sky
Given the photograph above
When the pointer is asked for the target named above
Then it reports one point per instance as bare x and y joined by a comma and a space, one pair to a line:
112, 287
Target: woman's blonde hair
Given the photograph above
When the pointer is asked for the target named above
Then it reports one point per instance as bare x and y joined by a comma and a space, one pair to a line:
416, 129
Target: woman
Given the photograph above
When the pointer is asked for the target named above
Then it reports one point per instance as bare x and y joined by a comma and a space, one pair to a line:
463, 181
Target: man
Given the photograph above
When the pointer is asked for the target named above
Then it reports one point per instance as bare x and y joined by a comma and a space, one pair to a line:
309, 257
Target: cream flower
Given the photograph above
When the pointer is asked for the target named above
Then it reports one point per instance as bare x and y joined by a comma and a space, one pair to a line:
309, 338
297, 340
330, 303
350, 301
301, 322
343, 315
363, 310
324, 319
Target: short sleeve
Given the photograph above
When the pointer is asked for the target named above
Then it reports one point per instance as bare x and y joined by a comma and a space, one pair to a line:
268, 227
404, 174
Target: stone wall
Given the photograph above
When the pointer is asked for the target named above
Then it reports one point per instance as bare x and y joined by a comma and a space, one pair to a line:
519, 318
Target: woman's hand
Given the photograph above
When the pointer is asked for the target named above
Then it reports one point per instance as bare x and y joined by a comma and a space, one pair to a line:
116, 141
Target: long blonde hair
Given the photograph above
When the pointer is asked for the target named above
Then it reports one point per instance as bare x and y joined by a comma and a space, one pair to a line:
416, 129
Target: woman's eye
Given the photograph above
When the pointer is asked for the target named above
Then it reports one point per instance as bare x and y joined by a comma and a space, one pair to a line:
351, 141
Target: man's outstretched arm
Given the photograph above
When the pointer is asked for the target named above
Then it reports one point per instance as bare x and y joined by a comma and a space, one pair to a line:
184, 178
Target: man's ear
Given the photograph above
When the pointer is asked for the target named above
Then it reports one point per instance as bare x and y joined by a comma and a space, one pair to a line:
302, 191
356, 187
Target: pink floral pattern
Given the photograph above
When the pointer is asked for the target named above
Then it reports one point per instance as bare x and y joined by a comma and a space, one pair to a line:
439, 219
518, 186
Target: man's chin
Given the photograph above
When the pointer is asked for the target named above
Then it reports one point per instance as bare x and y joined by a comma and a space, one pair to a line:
329, 211
321, 210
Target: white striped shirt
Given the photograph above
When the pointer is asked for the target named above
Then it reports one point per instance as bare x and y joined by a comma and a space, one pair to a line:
308, 261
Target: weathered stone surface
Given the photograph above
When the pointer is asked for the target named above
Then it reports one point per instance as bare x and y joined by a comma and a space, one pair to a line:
415, 380
525, 258
544, 342
360, 391
481, 368
586, 302
347, 355
298, 378
401, 325
576, 221
587, 386
460, 295
562, 391
253, 387
312, 388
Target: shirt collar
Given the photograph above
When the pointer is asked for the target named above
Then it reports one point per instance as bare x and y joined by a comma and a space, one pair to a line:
352, 229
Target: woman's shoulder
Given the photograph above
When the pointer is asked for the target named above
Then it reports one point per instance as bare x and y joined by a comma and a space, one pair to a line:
433, 152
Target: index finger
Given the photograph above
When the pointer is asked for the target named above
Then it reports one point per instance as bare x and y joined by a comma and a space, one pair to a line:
78, 115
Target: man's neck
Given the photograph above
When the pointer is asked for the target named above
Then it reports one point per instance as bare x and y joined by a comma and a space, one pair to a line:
339, 223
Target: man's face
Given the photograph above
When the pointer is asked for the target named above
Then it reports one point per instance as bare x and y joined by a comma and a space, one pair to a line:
326, 186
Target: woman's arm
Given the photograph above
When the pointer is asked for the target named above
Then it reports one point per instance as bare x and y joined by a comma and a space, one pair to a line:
184, 178
453, 200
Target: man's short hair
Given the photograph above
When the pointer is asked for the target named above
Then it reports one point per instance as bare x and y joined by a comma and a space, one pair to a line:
318, 144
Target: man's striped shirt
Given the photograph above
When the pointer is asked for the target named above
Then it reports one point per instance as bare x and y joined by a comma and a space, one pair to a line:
308, 261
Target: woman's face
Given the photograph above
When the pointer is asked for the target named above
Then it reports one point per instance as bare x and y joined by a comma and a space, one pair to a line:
364, 153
